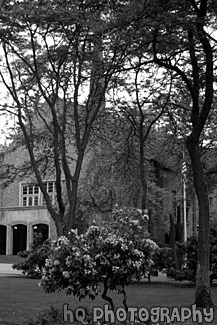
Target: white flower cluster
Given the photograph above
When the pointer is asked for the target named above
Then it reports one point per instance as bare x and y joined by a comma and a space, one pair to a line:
152, 244
137, 264
135, 222
138, 253
74, 232
124, 247
115, 269
112, 240
48, 262
66, 274
92, 229
62, 241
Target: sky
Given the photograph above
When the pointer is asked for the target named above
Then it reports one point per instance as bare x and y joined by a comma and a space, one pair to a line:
2, 117
2, 129
3, 126
5, 123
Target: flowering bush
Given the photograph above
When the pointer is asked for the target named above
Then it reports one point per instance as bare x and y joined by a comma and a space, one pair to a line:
112, 255
71, 267
130, 222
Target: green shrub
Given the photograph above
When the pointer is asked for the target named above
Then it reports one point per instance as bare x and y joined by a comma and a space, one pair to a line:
190, 248
47, 317
34, 258
163, 259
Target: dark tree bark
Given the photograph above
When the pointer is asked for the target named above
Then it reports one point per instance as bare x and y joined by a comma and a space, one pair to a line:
202, 100
199, 117
202, 293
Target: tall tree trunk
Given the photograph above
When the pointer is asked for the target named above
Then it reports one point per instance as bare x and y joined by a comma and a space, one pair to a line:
200, 87
202, 293
59, 226
142, 171
72, 224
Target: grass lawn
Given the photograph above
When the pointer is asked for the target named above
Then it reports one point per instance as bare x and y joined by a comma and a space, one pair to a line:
22, 297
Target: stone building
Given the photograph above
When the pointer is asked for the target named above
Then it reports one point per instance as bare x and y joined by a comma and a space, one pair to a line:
173, 204
22, 209
173, 181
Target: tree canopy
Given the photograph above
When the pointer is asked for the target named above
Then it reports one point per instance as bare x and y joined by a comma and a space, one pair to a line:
69, 65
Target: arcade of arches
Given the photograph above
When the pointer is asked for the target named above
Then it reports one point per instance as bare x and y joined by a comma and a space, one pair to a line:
19, 236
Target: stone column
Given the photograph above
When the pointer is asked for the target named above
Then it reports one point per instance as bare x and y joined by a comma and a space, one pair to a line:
29, 236
9, 240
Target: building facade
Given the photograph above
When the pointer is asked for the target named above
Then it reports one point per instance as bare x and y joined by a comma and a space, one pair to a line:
22, 209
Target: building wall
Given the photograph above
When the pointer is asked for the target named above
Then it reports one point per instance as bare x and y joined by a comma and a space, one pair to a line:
16, 156
1, 185
11, 210
171, 184
29, 217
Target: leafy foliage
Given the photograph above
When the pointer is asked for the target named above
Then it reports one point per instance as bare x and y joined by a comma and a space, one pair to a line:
113, 255
34, 258
189, 269
163, 259
46, 317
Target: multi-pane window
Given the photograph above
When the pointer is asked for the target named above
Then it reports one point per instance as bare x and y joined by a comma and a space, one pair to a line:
51, 190
31, 194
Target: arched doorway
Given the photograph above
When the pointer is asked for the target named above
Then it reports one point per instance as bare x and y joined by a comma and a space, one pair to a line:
19, 238
3, 236
42, 230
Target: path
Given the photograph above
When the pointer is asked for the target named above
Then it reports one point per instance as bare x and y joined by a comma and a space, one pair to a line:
7, 270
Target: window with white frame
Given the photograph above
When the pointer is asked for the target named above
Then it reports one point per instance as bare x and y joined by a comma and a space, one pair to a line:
51, 190
31, 194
